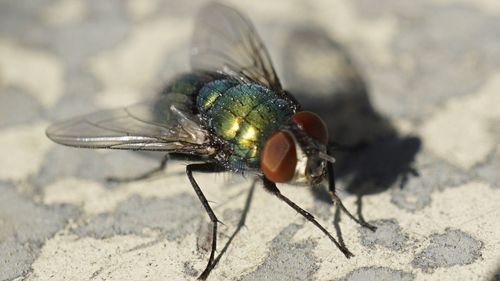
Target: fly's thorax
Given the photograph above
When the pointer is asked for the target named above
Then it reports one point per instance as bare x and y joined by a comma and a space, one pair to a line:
243, 116
296, 153
211, 92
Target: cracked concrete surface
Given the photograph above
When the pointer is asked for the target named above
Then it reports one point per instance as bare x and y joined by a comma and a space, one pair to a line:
415, 85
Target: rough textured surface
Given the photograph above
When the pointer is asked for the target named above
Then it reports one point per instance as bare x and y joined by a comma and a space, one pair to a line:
25, 226
296, 259
388, 234
455, 247
168, 216
378, 273
412, 85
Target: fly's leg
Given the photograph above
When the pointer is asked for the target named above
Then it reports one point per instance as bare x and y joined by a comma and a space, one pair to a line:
338, 202
271, 187
206, 168
240, 225
146, 175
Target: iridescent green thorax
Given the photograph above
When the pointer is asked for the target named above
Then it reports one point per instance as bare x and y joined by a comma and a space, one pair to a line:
243, 115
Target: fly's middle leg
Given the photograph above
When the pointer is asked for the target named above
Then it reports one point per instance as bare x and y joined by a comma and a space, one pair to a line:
206, 168
241, 223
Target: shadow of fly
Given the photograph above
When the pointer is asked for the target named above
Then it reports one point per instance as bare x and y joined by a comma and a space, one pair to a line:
230, 113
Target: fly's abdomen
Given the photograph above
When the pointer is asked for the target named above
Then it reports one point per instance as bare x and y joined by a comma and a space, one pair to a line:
243, 115
188, 84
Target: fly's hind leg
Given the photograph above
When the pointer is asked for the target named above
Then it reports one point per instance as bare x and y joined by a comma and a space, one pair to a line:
143, 176
206, 168
338, 202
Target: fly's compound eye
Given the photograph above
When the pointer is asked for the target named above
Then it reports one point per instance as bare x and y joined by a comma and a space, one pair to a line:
313, 125
279, 158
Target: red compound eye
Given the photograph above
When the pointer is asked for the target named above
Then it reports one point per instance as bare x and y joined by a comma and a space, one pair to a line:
313, 125
279, 158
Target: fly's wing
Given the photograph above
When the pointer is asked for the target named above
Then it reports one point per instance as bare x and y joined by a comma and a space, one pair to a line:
164, 124
225, 41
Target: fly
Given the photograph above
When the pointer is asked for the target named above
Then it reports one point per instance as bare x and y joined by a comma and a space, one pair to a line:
230, 114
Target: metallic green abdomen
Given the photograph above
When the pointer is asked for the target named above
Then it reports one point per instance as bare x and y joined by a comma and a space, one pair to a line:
242, 114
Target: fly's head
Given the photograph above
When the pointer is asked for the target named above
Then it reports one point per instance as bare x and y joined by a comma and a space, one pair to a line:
297, 152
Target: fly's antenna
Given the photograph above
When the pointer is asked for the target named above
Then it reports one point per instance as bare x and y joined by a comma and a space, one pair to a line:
326, 157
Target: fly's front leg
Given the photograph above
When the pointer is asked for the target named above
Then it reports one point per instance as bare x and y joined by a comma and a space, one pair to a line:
338, 202
271, 187
146, 175
206, 168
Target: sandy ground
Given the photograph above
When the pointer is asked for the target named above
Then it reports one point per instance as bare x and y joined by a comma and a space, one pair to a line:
418, 83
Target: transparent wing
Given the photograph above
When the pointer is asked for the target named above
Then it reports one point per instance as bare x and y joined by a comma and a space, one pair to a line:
164, 124
226, 41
